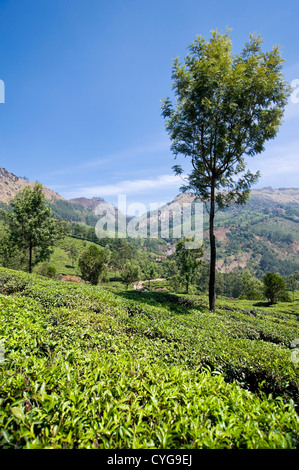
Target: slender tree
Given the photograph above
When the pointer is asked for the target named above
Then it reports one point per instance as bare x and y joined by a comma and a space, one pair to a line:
188, 263
32, 226
73, 253
227, 106
292, 283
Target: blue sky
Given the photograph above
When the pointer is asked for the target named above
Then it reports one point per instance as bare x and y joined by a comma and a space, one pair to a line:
83, 84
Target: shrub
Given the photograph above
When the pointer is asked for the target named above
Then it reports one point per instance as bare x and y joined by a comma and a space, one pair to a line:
130, 273
91, 263
47, 270
274, 287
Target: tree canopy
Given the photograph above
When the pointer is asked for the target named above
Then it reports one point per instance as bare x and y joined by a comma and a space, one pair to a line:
91, 263
274, 286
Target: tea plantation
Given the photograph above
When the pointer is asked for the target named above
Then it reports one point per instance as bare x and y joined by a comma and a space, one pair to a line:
89, 367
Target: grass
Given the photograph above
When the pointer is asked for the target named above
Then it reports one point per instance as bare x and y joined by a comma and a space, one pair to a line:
60, 259
92, 367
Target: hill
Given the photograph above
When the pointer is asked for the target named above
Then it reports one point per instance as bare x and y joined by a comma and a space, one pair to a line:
261, 236
89, 204
10, 184
81, 210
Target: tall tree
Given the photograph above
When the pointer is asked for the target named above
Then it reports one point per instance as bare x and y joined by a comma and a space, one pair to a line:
32, 225
227, 106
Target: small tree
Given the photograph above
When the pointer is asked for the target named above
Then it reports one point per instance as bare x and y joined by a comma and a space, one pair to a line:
73, 253
175, 283
130, 273
274, 287
292, 283
170, 268
252, 288
47, 270
91, 263
188, 262
32, 225
150, 272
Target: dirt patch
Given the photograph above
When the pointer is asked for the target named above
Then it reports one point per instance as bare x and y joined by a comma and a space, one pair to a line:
139, 285
230, 263
220, 233
68, 278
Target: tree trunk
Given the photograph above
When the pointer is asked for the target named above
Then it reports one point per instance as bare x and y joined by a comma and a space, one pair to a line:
30, 259
212, 252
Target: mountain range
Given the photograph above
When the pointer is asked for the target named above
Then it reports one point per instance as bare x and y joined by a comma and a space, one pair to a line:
261, 236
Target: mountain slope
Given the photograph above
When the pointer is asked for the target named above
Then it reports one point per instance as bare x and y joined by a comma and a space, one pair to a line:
82, 210
261, 236
10, 184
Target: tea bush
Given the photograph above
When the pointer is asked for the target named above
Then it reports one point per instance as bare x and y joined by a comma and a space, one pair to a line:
87, 368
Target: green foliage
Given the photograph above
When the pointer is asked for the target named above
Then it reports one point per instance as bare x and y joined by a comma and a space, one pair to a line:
227, 106
32, 225
170, 267
150, 271
175, 283
47, 270
91, 263
130, 273
252, 288
274, 287
72, 212
188, 261
10, 257
292, 282
73, 253
86, 368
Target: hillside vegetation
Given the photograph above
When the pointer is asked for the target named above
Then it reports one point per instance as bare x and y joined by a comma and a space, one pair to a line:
261, 236
88, 367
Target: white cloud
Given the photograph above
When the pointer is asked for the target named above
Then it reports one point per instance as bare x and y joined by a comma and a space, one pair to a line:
141, 186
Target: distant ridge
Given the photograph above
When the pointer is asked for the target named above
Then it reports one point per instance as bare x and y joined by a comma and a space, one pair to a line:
90, 204
262, 236
10, 184
283, 195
